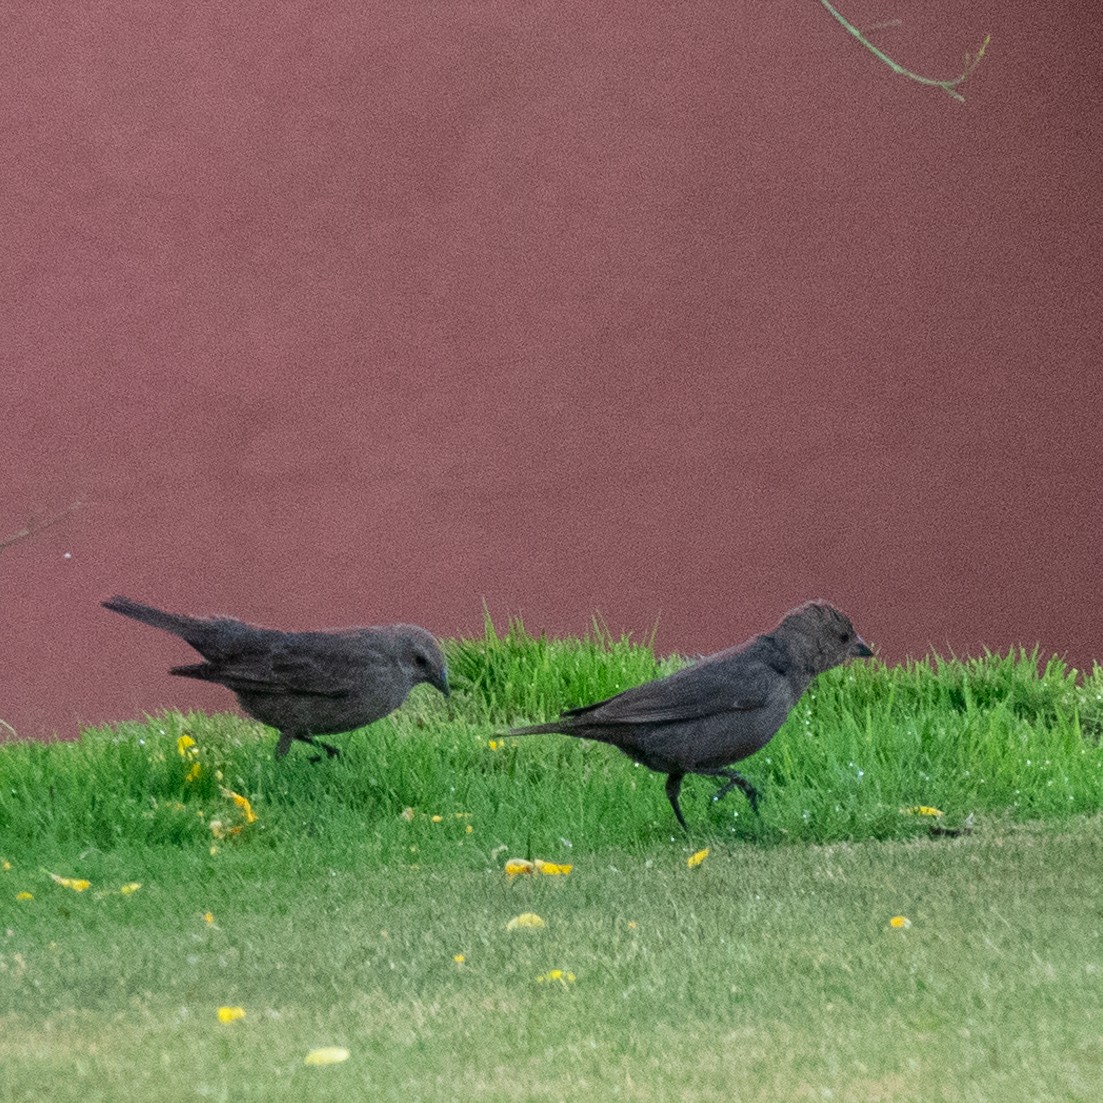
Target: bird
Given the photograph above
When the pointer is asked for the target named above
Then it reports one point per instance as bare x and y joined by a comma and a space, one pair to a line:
304, 684
721, 708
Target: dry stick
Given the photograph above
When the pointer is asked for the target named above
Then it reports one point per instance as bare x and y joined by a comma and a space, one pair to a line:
949, 86
31, 529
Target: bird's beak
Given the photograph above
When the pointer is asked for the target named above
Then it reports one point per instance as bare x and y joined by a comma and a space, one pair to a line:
860, 649
442, 683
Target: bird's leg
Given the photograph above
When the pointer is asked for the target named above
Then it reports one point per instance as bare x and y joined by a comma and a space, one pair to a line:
331, 751
673, 786
284, 745
734, 779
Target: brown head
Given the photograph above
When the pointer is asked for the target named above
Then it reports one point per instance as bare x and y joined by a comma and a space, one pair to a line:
819, 636
419, 656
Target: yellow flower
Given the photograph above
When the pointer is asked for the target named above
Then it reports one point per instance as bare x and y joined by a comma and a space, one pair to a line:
5, 865
900, 922
459, 959
230, 1014
130, 887
185, 747
468, 829
74, 883
554, 976
494, 745
436, 819
194, 774
694, 860
516, 866
208, 918
550, 869
24, 896
632, 924
525, 919
920, 810
242, 804
327, 1055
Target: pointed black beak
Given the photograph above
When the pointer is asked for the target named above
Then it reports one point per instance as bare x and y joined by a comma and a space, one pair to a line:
860, 649
441, 682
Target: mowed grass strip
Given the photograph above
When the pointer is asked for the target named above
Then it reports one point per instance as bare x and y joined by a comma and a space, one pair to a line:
766, 972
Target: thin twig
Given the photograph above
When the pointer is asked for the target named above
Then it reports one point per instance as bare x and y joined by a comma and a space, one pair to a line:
949, 85
33, 528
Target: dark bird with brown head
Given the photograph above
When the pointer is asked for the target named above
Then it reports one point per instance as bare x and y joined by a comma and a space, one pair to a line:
723, 707
304, 684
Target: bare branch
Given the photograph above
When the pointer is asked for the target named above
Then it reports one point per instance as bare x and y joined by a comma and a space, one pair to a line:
33, 528
949, 85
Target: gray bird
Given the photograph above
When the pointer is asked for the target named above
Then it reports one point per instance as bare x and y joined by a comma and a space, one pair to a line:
304, 684
722, 708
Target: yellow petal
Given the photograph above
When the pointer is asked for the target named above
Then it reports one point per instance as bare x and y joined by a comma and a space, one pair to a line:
132, 886
900, 922
242, 803
327, 1055
556, 976
519, 865
5, 865
194, 774
459, 959
525, 919
230, 1014
551, 869
24, 896
920, 810
694, 860
185, 747
436, 819
74, 883
208, 918
493, 744
468, 829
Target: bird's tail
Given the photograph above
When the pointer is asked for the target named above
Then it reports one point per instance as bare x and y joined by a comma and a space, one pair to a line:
539, 729
176, 623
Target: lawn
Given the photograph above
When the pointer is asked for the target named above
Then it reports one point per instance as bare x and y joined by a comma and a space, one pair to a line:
367, 906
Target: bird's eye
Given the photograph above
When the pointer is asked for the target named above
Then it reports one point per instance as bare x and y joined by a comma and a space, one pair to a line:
421, 661
845, 637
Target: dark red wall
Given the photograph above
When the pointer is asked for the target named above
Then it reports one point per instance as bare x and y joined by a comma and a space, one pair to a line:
339, 313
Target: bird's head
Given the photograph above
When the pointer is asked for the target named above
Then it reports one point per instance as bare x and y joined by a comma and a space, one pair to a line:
820, 636
421, 658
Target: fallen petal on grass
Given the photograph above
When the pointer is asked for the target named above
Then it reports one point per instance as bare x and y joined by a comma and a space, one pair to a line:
556, 976
525, 919
24, 896
242, 803
77, 884
550, 869
130, 888
900, 922
694, 860
230, 1014
920, 810
516, 866
327, 1055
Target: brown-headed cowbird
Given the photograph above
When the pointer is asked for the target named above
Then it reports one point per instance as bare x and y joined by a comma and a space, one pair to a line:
722, 708
304, 684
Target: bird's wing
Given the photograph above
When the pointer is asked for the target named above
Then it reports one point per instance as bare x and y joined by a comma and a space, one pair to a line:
314, 664
704, 689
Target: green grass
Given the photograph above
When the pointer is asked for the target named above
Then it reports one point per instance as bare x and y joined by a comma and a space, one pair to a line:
769, 972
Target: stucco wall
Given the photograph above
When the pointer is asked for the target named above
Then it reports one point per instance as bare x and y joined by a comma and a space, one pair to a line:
340, 313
